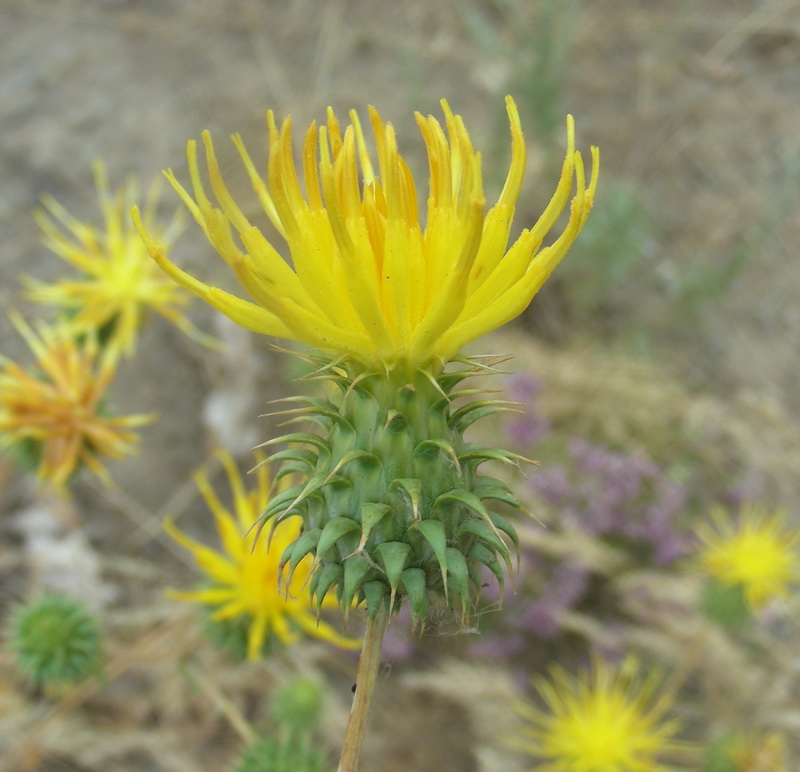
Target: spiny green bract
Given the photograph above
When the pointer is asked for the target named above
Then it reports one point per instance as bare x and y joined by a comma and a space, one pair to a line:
391, 499
55, 642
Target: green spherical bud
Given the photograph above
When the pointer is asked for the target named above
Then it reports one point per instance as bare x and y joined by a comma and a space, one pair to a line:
291, 754
55, 642
297, 705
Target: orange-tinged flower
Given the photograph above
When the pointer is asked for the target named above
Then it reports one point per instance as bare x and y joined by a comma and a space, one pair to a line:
760, 752
606, 720
56, 409
244, 577
365, 279
117, 280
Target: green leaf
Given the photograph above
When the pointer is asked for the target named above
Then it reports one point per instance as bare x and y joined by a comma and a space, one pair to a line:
334, 529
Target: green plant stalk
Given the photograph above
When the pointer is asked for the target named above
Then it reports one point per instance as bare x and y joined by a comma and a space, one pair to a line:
368, 665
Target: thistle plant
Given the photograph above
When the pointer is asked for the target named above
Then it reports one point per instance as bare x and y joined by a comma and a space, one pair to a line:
394, 506
55, 642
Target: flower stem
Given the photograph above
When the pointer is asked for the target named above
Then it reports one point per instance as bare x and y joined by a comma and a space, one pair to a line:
368, 665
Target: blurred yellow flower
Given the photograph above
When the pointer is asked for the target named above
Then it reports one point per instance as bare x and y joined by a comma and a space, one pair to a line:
55, 412
604, 721
760, 753
117, 280
244, 577
759, 552
365, 279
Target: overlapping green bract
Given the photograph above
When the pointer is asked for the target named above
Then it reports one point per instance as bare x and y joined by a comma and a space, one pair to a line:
390, 495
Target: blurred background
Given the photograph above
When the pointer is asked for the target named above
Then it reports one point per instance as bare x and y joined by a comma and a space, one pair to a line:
665, 342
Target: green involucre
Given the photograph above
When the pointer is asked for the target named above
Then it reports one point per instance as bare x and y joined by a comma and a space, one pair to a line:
391, 499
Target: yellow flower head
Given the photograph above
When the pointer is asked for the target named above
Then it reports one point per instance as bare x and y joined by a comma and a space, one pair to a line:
244, 578
56, 410
758, 553
117, 280
365, 279
604, 721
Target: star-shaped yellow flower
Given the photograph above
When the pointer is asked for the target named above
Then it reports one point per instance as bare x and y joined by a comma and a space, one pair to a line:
117, 281
244, 580
363, 277
56, 410
759, 552
606, 720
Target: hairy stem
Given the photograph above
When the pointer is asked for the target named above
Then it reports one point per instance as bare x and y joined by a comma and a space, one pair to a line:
368, 665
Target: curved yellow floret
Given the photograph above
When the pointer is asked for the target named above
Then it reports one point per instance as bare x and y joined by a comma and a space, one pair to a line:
364, 278
116, 281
